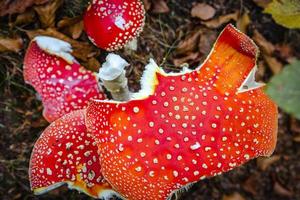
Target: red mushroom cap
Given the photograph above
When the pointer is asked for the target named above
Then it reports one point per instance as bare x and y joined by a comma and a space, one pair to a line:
61, 82
111, 24
193, 125
66, 153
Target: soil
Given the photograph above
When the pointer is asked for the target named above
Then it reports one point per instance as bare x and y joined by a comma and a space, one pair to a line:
21, 120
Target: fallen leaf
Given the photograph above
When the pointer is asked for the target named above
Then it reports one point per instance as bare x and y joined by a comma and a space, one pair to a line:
251, 183
234, 196
262, 3
273, 63
284, 89
285, 13
47, 12
193, 57
203, 11
81, 50
266, 46
67, 21
147, 4
73, 27
295, 125
243, 22
285, 51
297, 139
261, 70
207, 40
264, 163
189, 44
17, 6
215, 23
24, 18
11, 44
267, 50
279, 189
92, 64
160, 6
76, 30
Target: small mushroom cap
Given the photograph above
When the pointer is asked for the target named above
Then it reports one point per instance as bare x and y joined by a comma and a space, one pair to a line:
111, 24
66, 153
192, 125
61, 82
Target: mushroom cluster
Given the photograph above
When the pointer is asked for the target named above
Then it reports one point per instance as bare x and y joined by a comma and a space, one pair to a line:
178, 129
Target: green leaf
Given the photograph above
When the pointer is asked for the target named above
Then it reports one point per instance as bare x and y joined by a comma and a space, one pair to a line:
284, 89
285, 12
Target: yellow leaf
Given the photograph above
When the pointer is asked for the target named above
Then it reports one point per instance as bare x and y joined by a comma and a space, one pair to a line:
285, 13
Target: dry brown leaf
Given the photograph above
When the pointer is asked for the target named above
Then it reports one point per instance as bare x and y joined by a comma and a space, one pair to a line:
295, 125
267, 50
81, 50
285, 50
243, 22
234, 196
192, 58
207, 40
18, 6
215, 23
11, 44
261, 70
279, 189
264, 163
92, 64
297, 139
76, 30
203, 11
273, 63
266, 46
250, 184
24, 18
189, 44
73, 27
47, 12
147, 4
160, 6
262, 3
66, 22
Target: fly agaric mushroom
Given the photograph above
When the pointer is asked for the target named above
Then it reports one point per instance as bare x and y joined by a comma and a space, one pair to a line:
112, 24
66, 153
59, 79
190, 125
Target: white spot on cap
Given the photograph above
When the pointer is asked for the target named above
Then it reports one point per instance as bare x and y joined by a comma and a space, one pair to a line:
120, 22
195, 146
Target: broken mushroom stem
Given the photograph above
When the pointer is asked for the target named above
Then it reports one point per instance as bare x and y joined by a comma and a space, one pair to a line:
112, 75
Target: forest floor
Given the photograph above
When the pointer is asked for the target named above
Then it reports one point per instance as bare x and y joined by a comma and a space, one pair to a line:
172, 37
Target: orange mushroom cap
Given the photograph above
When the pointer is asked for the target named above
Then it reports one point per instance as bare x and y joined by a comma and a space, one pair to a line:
192, 125
59, 79
66, 153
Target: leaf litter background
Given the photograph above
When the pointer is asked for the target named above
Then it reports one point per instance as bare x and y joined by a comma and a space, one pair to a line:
177, 33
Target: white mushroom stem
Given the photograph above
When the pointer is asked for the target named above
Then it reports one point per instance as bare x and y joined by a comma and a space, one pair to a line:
112, 75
